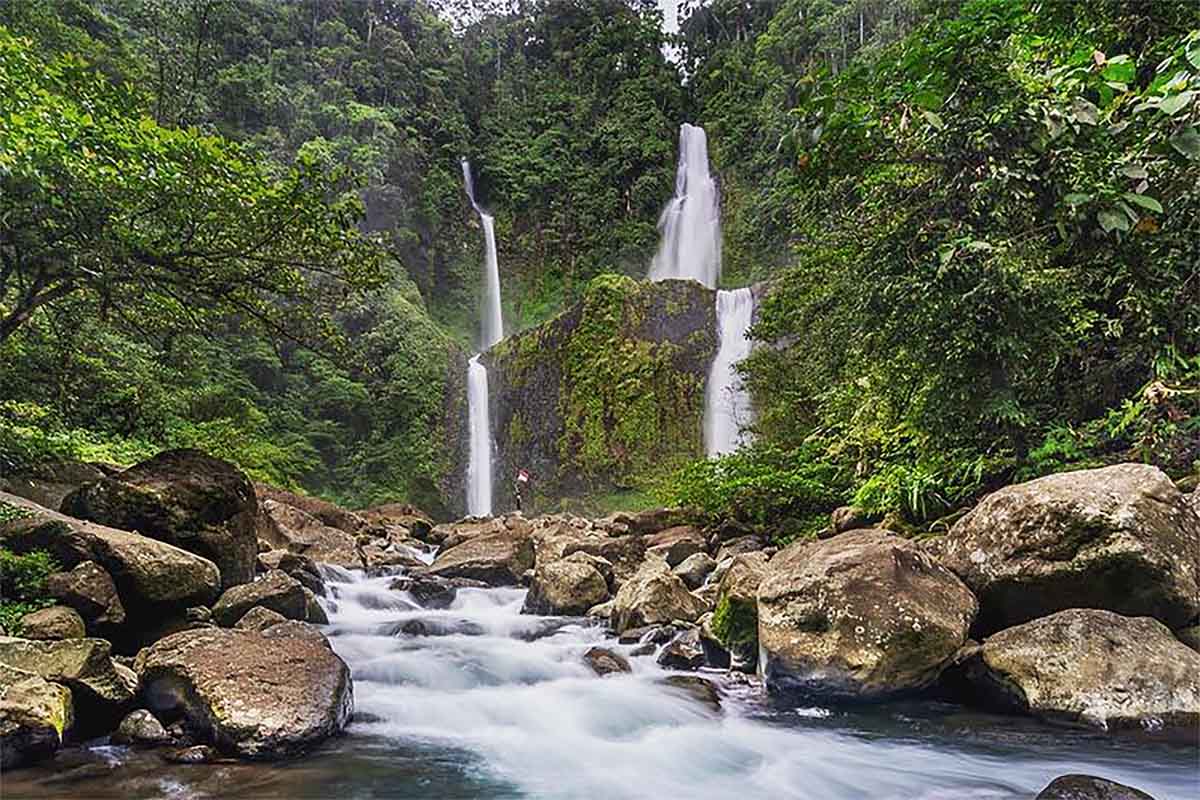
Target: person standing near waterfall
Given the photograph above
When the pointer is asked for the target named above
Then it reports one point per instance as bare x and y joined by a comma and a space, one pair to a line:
520, 485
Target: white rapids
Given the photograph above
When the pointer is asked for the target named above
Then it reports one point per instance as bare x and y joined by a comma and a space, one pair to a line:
510, 693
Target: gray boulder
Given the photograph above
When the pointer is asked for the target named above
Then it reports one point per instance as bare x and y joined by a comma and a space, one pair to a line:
276, 590
296, 530
694, 569
863, 615
497, 559
140, 728
185, 498
89, 590
1092, 668
251, 695
83, 665
677, 544
1120, 538
1089, 787
568, 587
653, 595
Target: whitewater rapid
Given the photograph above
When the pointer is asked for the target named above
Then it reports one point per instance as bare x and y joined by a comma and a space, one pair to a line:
510, 695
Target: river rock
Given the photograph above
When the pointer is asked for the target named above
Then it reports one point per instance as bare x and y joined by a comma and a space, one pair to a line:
497, 559
653, 595
55, 622
297, 531
1089, 787
742, 545
249, 694
734, 624
606, 662
567, 586
35, 715
863, 615
677, 543
89, 590
313, 612
684, 652
326, 513
185, 498
83, 665
151, 576
694, 569
641, 523
259, 618
140, 728
276, 590
1092, 668
695, 688
295, 629
431, 591
196, 754
1120, 538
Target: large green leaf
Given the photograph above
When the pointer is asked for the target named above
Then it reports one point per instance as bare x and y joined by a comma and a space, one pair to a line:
1187, 142
1145, 201
1119, 68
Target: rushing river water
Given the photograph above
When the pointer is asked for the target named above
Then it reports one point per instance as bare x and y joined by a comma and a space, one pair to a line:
494, 704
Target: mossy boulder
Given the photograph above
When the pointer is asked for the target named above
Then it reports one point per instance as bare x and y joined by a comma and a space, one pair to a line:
1121, 538
606, 395
864, 615
35, 716
183, 497
252, 695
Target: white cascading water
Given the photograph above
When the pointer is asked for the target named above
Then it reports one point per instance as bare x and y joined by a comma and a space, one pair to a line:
690, 225
479, 700
727, 409
479, 465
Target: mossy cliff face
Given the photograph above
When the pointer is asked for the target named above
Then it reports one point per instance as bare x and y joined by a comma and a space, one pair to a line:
607, 396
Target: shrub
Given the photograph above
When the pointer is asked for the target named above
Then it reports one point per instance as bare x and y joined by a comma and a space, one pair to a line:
22, 583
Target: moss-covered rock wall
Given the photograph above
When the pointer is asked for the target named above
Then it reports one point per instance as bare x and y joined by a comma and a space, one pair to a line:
608, 396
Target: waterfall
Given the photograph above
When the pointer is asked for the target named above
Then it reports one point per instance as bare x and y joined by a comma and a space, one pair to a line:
492, 325
690, 225
727, 403
479, 467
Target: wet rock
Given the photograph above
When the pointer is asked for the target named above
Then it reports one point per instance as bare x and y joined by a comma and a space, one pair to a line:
400, 516
647, 649
1190, 636
35, 715
55, 622
653, 595
741, 546
259, 619
734, 624
567, 586
293, 529
694, 569
436, 626
276, 590
431, 591
184, 498
140, 728
1092, 668
695, 688
196, 754
83, 665
89, 590
1089, 787
684, 652
658, 634
151, 576
676, 544
601, 611
1120, 538
297, 566
864, 615
313, 612
606, 662
379, 561
250, 694
716, 654
497, 559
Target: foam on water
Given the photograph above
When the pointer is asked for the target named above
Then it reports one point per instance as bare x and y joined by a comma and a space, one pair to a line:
512, 690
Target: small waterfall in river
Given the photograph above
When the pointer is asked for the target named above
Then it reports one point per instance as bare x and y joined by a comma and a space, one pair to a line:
479, 467
690, 225
727, 403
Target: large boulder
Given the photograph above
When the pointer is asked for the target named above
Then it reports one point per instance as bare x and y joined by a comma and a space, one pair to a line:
276, 591
677, 543
35, 715
694, 569
294, 529
734, 624
863, 615
640, 523
185, 498
251, 695
497, 559
48, 483
101, 689
654, 595
624, 553
89, 590
323, 511
1120, 538
1089, 787
1092, 668
55, 622
151, 577
569, 586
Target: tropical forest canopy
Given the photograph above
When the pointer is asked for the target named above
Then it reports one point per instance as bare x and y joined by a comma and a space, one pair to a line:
240, 225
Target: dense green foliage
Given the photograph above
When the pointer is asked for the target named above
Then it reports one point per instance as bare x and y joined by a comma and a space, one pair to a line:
22, 583
240, 225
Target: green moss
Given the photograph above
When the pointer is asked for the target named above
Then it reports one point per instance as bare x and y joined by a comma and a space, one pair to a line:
735, 624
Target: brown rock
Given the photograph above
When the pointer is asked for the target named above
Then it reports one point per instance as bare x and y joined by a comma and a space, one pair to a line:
606, 662
89, 590
676, 544
55, 622
276, 590
653, 595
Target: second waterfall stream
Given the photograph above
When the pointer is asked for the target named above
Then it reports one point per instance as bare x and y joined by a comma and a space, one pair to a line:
479, 465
